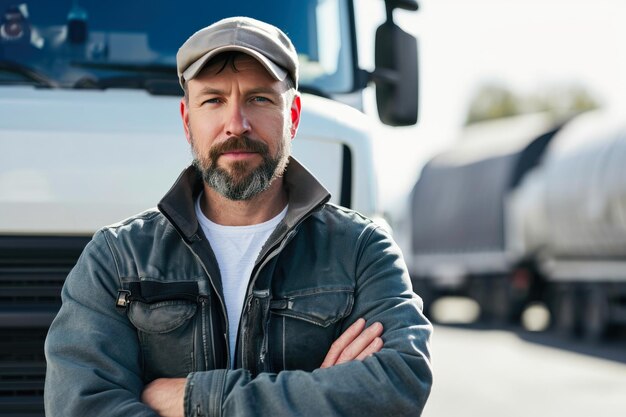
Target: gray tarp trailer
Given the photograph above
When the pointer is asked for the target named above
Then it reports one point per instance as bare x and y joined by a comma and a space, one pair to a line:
459, 243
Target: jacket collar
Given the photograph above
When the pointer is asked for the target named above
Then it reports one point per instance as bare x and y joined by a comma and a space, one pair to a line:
304, 192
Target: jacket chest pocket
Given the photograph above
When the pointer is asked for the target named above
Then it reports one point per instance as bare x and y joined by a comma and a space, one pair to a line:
304, 325
166, 331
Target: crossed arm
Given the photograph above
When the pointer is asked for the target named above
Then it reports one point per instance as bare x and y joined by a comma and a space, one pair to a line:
166, 395
105, 379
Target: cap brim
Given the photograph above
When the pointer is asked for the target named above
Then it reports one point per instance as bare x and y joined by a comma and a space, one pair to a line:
194, 69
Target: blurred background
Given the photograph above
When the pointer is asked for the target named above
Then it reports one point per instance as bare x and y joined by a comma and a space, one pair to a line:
507, 197
515, 205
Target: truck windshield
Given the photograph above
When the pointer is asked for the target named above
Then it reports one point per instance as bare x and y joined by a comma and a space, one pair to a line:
133, 43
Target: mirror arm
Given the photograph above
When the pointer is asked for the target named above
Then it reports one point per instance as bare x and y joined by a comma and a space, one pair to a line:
410, 5
384, 75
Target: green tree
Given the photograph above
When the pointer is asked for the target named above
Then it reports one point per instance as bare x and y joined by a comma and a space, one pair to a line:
494, 101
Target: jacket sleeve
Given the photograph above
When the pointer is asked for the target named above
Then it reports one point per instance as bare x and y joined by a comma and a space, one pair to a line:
92, 351
393, 382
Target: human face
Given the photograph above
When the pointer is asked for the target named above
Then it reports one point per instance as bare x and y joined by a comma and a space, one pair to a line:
240, 123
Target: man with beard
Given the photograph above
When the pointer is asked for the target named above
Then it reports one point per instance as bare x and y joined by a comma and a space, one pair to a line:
246, 292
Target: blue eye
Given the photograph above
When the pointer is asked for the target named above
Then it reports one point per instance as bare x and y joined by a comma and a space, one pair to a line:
260, 99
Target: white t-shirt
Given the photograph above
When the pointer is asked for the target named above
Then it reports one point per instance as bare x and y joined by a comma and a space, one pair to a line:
236, 249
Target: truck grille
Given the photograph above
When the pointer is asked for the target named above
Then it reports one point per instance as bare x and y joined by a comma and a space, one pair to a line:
32, 271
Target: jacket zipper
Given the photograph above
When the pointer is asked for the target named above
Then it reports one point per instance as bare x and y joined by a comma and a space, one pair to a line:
203, 302
244, 331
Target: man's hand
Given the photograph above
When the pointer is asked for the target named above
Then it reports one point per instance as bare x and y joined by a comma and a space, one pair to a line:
166, 396
355, 343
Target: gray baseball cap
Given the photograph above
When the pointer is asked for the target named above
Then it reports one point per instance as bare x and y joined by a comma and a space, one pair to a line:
265, 42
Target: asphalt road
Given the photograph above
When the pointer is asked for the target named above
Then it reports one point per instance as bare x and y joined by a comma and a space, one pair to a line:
510, 372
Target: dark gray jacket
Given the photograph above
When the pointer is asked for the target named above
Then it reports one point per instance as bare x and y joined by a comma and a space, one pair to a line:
145, 301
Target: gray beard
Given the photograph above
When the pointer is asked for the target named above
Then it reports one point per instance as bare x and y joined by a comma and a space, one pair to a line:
237, 185
253, 184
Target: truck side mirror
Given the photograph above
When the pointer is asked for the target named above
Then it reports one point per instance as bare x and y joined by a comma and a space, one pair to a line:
396, 75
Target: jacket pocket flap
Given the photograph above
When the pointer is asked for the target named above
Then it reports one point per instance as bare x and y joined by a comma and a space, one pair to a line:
322, 308
162, 317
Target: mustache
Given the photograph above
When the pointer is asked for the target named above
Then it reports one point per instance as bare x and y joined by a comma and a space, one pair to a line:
238, 143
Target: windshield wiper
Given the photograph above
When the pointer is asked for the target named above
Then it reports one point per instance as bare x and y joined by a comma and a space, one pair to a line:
29, 73
153, 68
157, 79
156, 85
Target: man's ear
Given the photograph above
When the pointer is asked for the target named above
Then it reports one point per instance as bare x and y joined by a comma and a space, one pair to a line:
184, 114
296, 107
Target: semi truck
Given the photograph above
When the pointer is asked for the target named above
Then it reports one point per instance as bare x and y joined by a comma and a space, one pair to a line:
538, 219
90, 132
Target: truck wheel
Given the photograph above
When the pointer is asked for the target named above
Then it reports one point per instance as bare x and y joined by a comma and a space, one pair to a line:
565, 321
480, 291
502, 302
596, 315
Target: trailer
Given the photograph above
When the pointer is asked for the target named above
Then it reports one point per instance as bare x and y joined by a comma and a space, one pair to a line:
459, 242
569, 218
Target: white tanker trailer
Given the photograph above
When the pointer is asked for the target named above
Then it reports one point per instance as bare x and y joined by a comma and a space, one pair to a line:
568, 216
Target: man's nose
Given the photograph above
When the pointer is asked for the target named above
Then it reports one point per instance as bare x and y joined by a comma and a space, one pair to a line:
237, 122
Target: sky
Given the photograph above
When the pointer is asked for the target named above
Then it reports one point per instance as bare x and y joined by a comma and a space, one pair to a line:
525, 45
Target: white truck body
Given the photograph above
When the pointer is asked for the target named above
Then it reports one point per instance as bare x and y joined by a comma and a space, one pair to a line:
72, 161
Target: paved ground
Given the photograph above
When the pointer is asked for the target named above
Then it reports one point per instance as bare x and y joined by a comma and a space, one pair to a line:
511, 372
